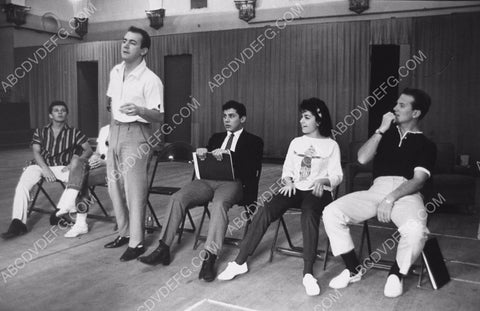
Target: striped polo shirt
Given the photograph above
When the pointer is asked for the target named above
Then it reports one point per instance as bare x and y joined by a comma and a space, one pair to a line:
60, 150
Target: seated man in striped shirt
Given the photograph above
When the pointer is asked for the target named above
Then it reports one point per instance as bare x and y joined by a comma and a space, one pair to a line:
54, 147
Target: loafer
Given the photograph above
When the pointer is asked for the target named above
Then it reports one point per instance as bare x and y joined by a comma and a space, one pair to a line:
132, 253
77, 229
311, 285
393, 286
119, 241
160, 255
16, 228
207, 273
343, 279
232, 270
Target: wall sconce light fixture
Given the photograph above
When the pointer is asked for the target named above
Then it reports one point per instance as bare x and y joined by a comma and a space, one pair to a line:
358, 6
156, 18
81, 26
16, 14
246, 9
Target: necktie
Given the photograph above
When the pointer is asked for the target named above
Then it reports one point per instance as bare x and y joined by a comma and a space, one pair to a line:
229, 142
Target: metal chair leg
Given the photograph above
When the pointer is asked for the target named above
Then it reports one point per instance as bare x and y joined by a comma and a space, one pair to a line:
92, 192
247, 225
287, 234
365, 235
181, 229
197, 236
32, 204
274, 242
182, 226
325, 258
422, 269
155, 216
48, 197
369, 243
190, 219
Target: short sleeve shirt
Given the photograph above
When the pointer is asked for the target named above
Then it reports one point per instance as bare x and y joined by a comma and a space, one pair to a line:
141, 87
102, 140
399, 155
59, 151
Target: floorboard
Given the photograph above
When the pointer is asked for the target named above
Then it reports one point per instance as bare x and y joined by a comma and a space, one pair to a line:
79, 274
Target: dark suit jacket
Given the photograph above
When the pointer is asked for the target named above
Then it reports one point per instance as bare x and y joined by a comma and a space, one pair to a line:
247, 161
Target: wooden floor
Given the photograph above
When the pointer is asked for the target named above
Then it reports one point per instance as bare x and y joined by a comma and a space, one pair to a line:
42, 270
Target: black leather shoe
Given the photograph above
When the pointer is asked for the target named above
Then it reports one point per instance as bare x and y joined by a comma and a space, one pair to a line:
207, 272
160, 255
119, 241
16, 228
132, 253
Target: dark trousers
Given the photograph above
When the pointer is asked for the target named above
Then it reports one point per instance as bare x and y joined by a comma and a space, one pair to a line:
81, 177
312, 208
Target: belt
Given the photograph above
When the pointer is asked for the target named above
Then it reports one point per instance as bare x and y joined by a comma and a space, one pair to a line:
130, 123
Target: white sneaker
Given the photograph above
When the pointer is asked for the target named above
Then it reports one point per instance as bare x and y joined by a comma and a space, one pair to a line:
343, 279
311, 285
76, 230
393, 286
232, 270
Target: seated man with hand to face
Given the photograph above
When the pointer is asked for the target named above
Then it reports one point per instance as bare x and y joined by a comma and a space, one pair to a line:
83, 175
55, 147
246, 150
403, 159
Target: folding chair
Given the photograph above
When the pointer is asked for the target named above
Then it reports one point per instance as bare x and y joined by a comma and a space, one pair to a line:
179, 152
293, 250
106, 216
39, 188
386, 264
230, 240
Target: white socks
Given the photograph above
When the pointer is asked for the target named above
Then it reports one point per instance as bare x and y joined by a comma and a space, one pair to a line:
81, 219
66, 203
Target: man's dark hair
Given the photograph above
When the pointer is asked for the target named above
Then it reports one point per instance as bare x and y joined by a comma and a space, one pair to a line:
239, 107
57, 103
421, 100
319, 109
146, 41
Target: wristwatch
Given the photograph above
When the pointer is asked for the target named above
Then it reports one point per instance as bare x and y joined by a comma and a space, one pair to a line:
377, 131
388, 201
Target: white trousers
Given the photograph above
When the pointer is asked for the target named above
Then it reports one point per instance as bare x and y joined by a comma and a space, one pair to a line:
408, 214
30, 176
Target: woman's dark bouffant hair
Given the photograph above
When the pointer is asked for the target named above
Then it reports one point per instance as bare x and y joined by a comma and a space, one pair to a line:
319, 109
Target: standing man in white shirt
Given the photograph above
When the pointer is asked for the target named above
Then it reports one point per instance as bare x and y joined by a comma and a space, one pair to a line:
136, 95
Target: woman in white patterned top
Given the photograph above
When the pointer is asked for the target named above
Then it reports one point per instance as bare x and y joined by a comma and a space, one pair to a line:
311, 170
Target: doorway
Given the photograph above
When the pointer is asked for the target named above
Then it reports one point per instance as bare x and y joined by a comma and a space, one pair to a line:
384, 63
87, 88
178, 88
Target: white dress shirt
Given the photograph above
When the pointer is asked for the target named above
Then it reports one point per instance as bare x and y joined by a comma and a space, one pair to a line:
141, 87
102, 139
236, 135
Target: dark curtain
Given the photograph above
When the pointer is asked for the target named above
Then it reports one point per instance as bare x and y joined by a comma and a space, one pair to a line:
326, 60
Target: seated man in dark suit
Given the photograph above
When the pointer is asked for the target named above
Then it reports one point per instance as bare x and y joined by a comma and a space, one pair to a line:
246, 150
